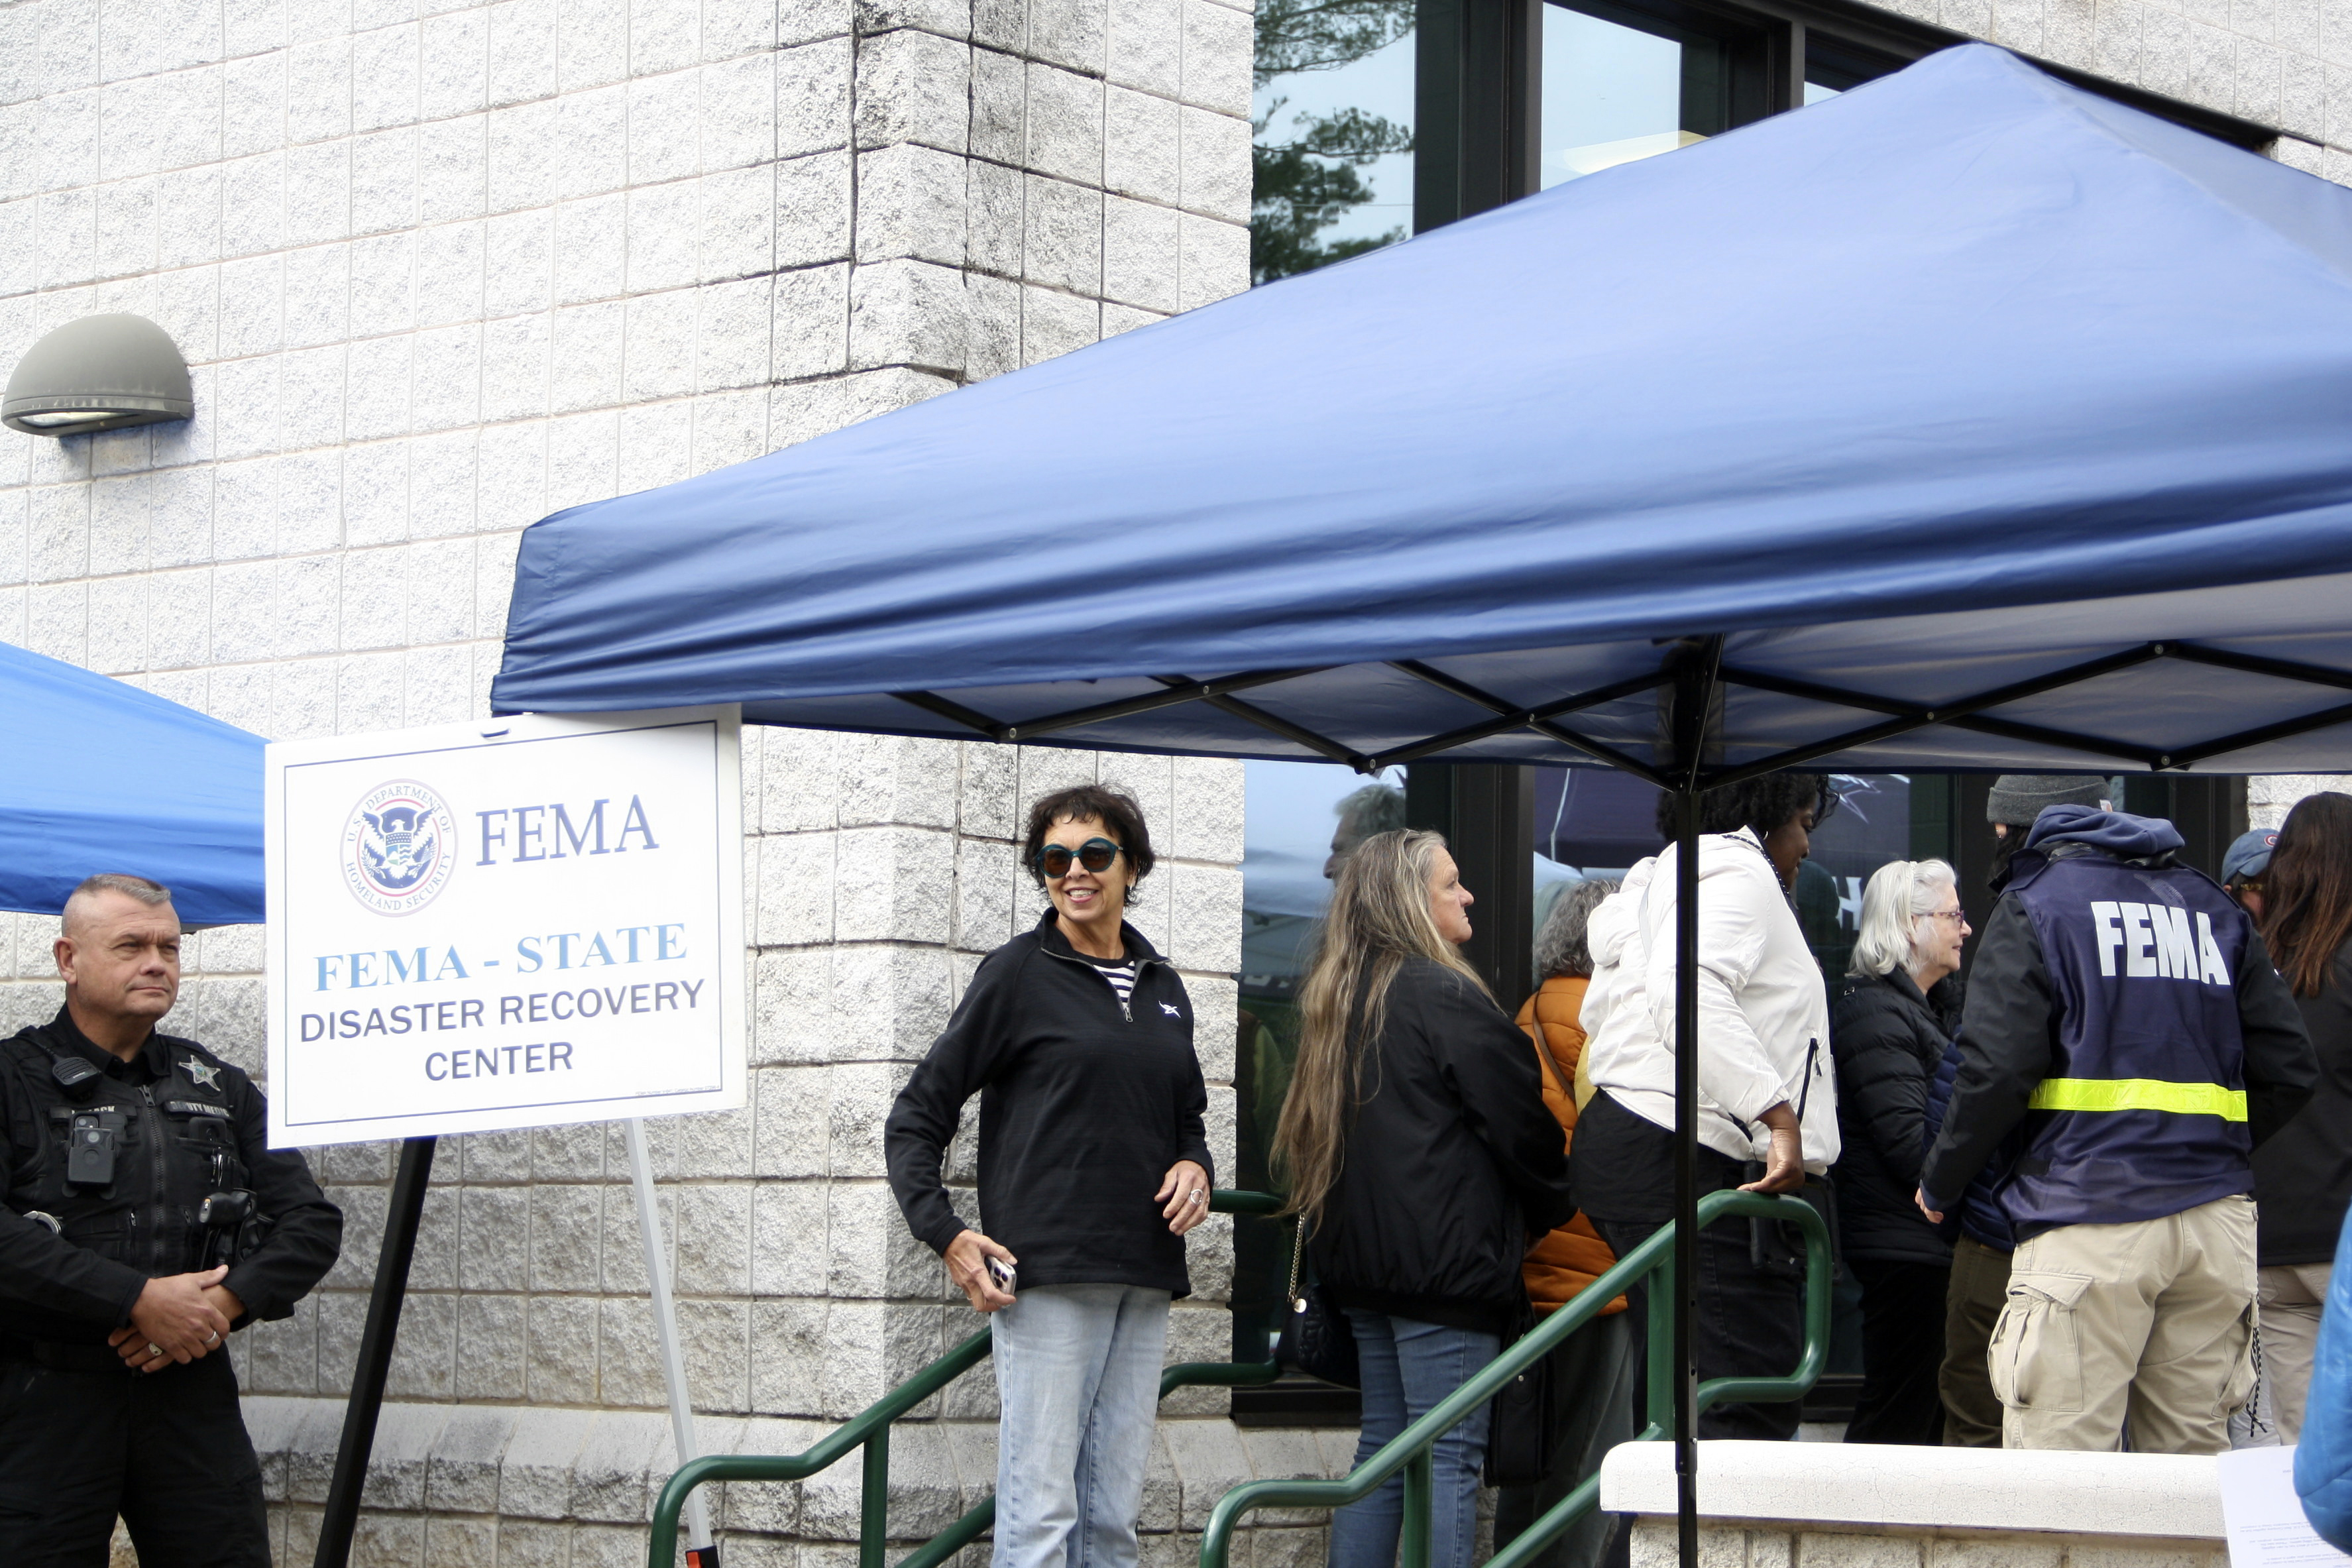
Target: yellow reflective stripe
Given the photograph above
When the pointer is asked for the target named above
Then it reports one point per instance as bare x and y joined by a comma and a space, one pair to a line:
2139, 1094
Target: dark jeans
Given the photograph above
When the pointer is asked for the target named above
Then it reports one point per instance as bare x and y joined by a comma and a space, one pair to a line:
1596, 1375
167, 1451
1980, 1288
1902, 1352
1750, 1320
1408, 1368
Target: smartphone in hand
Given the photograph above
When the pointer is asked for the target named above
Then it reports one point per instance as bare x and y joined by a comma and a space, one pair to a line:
1001, 1273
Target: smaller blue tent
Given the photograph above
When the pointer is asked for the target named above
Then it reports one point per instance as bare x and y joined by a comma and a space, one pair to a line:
106, 777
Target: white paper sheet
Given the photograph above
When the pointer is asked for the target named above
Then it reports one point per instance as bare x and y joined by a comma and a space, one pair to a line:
2262, 1515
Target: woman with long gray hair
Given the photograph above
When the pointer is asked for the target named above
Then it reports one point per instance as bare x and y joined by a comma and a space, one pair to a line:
1897, 1012
1416, 1143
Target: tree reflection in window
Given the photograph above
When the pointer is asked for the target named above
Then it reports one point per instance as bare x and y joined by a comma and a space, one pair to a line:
1326, 156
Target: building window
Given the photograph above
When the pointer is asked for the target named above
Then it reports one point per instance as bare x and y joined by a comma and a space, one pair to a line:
1300, 821
1516, 96
1331, 128
1618, 85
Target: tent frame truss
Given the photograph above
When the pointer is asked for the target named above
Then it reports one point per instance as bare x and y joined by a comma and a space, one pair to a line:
1900, 717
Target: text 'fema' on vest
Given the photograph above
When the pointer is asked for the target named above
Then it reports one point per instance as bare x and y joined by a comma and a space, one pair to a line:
2157, 942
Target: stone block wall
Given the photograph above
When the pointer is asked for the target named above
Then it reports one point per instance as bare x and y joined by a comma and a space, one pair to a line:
2281, 63
1773, 1545
439, 270
2269, 797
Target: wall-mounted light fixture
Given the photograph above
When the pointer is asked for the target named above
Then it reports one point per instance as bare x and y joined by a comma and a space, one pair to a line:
100, 373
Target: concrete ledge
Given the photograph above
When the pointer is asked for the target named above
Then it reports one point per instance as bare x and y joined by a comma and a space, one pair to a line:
2130, 1495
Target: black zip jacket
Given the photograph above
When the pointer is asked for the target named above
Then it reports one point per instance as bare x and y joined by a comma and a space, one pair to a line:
192, 1125
1083, 1107
2010, 1030
1887, 1039
2303, 1177
1452, 1161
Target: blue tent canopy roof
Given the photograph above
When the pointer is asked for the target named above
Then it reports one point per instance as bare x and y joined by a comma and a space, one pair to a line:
112, 778
1987, 422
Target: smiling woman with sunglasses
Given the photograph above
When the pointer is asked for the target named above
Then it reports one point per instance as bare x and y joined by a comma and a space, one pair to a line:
1094, 1162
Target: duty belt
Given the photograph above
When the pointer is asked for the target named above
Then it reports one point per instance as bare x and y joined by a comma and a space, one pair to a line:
2139, 1094
62, 1355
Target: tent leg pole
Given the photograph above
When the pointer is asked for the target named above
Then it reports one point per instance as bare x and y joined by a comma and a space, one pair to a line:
406, 1213
1685, 1174
700, 1551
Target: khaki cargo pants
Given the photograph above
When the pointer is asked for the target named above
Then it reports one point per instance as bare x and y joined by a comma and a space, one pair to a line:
2150, 1322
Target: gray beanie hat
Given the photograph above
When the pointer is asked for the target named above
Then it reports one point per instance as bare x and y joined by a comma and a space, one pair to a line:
2018, 799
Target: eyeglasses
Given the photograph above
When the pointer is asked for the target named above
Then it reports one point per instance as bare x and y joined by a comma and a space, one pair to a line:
1961, 915
1096, 854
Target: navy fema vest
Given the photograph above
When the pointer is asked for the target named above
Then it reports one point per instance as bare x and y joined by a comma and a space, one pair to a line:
2144, 1112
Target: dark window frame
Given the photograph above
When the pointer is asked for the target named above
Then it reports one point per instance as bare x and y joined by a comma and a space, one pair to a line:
1478, 98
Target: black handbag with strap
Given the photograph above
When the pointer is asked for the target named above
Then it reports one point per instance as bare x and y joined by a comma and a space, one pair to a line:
1315, 1338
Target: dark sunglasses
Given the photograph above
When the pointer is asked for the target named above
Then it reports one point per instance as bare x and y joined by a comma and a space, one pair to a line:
1096, 854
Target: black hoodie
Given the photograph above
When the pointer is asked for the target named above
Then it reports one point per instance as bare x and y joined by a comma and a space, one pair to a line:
1083, 1107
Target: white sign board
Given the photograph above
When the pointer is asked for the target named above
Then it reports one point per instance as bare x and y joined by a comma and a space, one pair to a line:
514, 923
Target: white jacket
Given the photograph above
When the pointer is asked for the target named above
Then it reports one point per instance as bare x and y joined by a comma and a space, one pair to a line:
1764, 1017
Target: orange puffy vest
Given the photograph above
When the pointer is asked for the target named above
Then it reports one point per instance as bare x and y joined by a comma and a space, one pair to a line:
1568, 1259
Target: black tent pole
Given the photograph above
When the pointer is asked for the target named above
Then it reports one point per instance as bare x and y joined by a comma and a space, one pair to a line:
1686, 1170
1693, 694
404, 1215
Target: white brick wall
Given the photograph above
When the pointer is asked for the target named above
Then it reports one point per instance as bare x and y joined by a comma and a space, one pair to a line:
438, 275
2283, 63
439, 270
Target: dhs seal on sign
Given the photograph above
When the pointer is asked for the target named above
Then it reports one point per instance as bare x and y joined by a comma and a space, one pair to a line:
399, 848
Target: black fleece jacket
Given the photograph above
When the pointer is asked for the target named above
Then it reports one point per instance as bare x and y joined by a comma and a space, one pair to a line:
2303, 1177
1452, 1160
1083, 1107
1887, 1040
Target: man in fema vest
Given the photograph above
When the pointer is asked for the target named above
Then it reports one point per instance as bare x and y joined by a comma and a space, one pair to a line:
2123, 1009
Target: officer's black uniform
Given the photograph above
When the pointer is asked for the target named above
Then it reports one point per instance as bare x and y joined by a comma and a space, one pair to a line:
82, 1437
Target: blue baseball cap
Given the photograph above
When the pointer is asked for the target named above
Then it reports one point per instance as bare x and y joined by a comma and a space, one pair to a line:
2249, 855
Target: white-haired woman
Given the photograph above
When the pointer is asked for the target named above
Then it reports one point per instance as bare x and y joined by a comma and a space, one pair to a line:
1415, 1141
1895, 1013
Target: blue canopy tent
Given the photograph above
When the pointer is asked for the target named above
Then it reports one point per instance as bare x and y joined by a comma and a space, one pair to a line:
112, 778
1965, 421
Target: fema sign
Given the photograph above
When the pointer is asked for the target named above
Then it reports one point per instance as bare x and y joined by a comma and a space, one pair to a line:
514, 923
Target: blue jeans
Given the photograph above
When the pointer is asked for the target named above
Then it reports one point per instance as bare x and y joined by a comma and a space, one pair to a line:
1077, 1383
1407, 1368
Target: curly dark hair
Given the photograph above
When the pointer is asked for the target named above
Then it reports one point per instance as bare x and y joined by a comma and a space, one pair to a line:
1765, 804
1119, 813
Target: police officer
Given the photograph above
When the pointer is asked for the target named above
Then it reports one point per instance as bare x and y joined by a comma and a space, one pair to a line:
2123, 1014
145, 1220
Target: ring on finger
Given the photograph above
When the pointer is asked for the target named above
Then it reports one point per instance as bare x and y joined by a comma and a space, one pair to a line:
153, 1349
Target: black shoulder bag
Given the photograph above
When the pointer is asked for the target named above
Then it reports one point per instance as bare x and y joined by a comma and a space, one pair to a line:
1315, 1339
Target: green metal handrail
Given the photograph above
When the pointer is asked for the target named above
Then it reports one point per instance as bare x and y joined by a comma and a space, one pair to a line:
1410, 1450
870, 1429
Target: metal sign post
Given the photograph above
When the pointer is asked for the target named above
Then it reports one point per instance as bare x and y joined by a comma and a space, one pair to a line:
700, 1551
376, 1341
